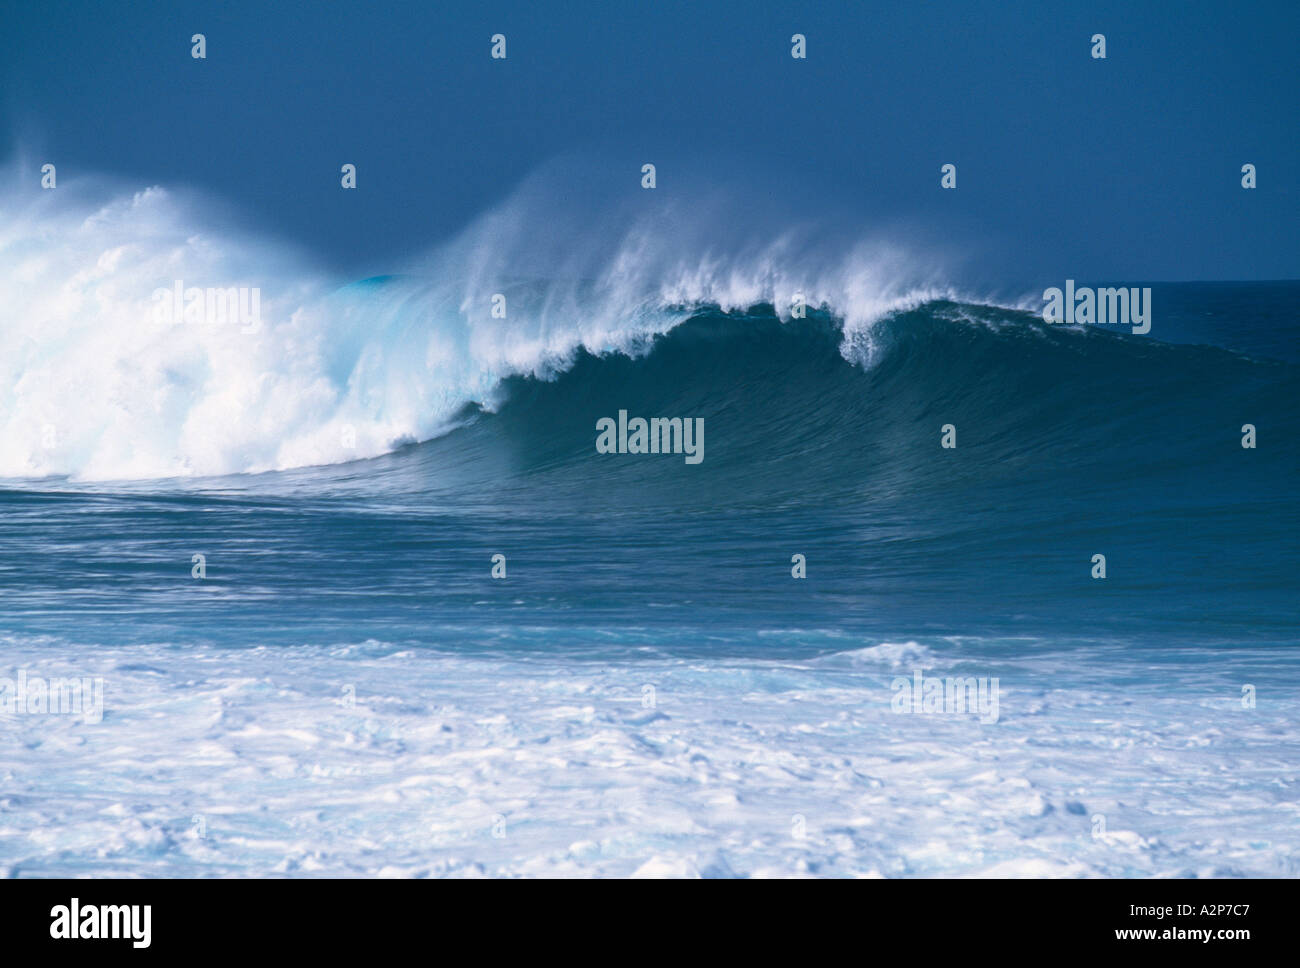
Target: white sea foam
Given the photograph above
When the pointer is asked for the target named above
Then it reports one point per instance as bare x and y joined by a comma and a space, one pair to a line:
365, 760
891, 655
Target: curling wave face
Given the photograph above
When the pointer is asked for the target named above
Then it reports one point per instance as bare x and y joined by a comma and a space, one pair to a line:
100, 385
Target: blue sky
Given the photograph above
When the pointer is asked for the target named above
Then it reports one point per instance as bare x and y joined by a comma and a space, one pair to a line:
1120, 169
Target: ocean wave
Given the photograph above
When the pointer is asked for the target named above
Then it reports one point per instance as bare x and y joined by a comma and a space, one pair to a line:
95, 387
543, 322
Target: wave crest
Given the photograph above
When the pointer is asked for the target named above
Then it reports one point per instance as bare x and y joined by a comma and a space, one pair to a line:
96, 389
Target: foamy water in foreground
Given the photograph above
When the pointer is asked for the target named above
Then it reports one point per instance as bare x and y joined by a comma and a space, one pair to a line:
219, 762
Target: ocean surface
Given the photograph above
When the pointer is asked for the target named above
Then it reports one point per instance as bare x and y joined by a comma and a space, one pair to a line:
342, 687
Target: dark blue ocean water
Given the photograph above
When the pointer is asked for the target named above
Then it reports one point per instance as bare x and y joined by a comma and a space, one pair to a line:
1071, 442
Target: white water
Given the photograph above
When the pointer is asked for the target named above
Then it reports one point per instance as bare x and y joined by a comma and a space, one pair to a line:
460, 767
93, 387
